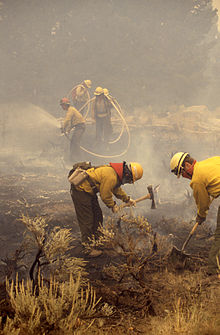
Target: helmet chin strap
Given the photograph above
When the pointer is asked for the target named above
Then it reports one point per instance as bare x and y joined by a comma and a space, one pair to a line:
188, 174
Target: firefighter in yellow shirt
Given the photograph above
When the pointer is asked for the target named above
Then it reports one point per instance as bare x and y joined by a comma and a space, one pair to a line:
205, 182
74, 122
105, 180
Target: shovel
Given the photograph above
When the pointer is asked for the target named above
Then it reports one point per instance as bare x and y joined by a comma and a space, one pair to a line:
179, 253
175, 252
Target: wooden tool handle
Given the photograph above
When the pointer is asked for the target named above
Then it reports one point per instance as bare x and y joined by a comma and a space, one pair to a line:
144, 197
190, 235
147, 196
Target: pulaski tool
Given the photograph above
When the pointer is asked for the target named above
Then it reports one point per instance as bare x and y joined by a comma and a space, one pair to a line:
150, 196
151, 192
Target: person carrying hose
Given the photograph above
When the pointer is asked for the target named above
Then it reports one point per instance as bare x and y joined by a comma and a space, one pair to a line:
101, 113
73, 121
205, 182
105, 180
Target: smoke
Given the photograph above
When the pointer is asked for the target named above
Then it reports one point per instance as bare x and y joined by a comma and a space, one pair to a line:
28, 135
136, 51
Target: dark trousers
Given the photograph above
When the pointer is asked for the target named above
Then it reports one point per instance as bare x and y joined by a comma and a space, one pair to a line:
103, 128
214, 252
75, 151
88, 212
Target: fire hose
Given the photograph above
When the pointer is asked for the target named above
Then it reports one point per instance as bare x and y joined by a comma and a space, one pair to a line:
109, 156
87, 102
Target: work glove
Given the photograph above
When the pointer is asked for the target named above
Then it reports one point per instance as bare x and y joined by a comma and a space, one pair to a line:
115, 209
200, 219
131, 202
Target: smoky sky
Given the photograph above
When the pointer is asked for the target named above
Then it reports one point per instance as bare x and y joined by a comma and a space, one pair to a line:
146, 52
154, 53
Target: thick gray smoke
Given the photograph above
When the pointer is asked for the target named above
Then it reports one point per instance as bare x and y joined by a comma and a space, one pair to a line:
156, 57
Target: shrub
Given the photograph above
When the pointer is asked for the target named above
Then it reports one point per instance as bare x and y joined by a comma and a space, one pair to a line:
63, 307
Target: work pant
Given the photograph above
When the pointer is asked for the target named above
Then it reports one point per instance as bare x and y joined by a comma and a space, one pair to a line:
75, 151
103, 128
214, 252
88, 212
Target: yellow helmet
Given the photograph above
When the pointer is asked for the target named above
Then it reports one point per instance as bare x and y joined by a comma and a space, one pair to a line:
136, 170
105, 91
98, 90
88, 83
177, 161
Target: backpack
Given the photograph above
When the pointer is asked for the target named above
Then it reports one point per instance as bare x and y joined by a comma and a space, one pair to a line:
78, 174
82, 165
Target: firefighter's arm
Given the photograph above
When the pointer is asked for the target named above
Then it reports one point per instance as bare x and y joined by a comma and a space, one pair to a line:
106, 192
120, 194
202, 200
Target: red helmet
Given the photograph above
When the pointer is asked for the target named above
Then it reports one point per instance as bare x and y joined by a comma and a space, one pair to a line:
64, 101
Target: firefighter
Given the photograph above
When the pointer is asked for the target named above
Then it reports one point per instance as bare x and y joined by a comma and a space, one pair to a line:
205, 182
74, 122
105, 180
108, 95
101, 112
80, 95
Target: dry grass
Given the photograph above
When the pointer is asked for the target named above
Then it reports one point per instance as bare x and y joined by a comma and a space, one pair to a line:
125, 236
190, 315
65, 307
184, 303
51, 248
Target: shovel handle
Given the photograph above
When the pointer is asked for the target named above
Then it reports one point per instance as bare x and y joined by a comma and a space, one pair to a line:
190, 235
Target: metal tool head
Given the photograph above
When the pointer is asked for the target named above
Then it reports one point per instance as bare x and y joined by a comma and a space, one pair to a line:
151, 192
177, 256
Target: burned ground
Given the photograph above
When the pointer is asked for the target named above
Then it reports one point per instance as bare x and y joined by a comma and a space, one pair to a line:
136, 288
144, 289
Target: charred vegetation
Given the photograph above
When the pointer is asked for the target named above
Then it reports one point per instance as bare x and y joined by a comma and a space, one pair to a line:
134, 277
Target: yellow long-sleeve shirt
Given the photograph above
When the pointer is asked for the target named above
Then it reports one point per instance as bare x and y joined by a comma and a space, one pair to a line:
106, 181
100, 107
205, 183
72, 118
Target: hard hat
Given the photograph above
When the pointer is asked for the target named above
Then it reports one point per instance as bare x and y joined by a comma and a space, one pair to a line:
98, 90
136, 170
64, 101
105, 91
177, 161
88, 83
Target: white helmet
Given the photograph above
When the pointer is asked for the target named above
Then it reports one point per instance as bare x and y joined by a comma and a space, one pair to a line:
176, 162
